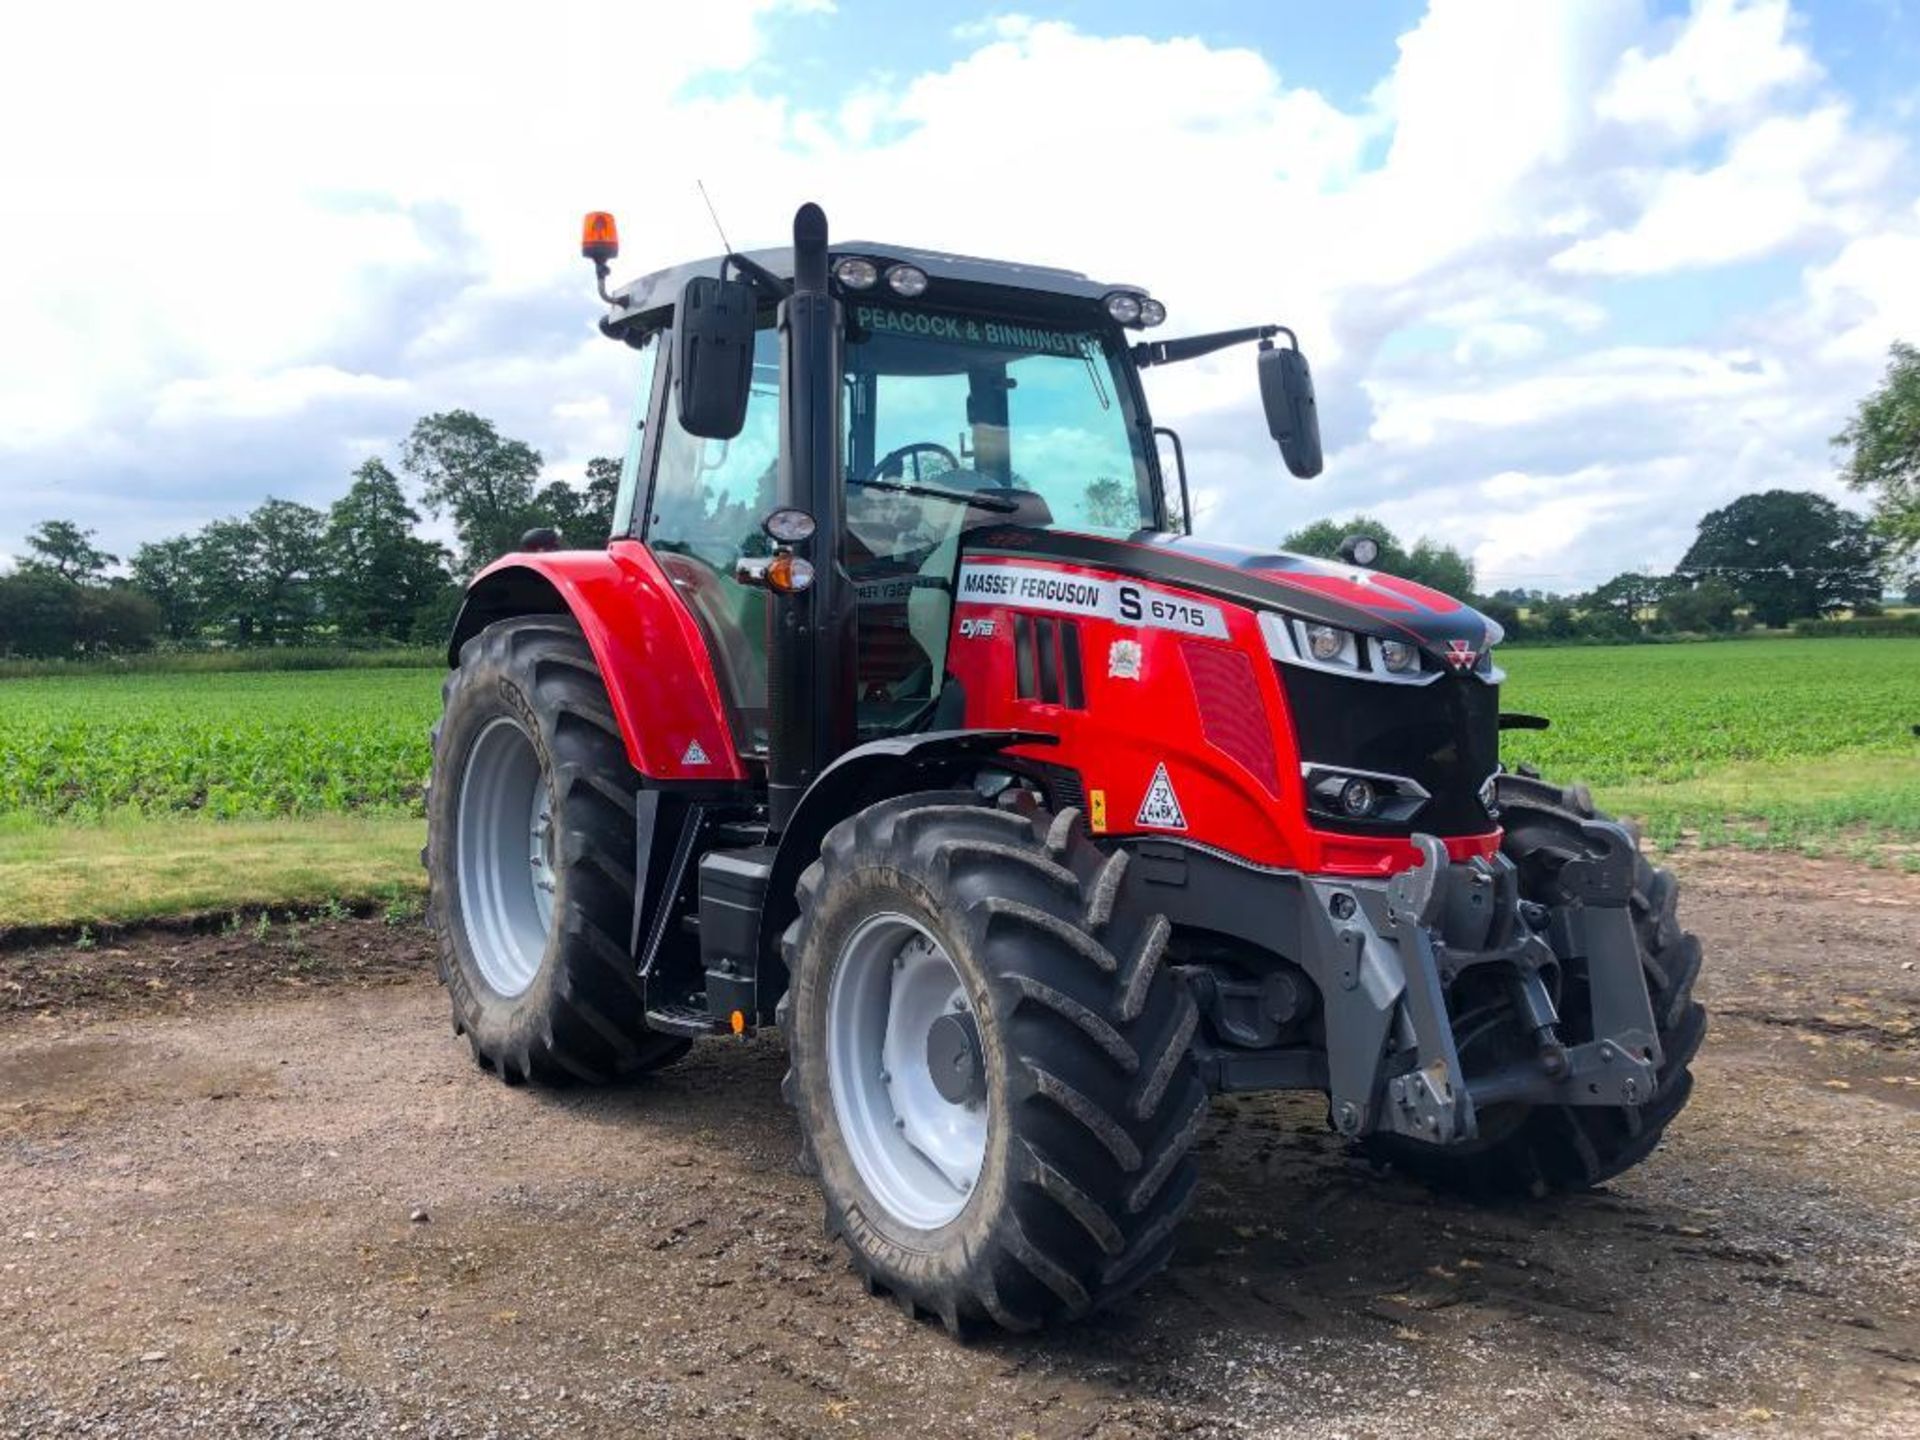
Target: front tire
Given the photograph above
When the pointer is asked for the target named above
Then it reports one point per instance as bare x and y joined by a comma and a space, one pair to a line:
1539, 1150
1075, 1171
530, 861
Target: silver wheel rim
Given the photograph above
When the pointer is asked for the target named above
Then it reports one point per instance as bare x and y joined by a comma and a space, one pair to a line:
919, 1153
504, 849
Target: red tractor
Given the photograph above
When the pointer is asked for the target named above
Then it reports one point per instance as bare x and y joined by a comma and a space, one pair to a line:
901, 712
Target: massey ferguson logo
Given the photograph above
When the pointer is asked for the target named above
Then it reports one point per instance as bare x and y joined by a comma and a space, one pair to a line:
1461, 654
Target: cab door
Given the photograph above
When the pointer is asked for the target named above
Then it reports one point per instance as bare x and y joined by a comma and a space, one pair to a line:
704, 512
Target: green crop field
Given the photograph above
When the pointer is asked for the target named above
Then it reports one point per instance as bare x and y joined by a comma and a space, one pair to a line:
1673, 712
225, 746
1801, 743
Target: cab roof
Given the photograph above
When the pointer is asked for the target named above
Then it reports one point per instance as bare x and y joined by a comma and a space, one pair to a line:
649, 298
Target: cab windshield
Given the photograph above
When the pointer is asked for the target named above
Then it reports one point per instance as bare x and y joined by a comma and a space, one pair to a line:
1032, 419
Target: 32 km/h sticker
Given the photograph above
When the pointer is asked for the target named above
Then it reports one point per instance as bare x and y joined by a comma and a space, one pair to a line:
1125, 602
1161, 807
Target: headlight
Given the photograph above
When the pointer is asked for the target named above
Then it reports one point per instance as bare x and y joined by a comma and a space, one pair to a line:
1152, 312
1362, 794
857, 273
907, 280
1124, 307
1324, 642
789, 526
1398, 656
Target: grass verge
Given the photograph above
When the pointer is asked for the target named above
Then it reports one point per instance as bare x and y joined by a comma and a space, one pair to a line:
1863, 806
122, 871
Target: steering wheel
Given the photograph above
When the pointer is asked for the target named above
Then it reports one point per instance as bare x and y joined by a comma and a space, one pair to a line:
898, 458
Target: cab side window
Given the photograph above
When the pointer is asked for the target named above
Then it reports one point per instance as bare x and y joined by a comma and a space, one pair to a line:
623, 502
709, 497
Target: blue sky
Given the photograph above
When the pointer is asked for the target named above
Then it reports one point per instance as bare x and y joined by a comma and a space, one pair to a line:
1570, 274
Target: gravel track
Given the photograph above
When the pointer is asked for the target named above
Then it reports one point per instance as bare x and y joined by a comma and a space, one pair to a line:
257, 1187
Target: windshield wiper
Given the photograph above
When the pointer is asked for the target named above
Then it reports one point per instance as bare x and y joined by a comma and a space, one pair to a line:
1093, 374
958, 497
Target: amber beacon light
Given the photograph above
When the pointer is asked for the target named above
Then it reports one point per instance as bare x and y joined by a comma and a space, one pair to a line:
599, 237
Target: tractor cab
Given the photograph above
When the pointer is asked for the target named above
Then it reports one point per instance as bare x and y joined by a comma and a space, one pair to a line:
964, 396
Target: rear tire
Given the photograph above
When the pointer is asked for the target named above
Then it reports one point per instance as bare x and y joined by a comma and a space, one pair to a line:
1555, 1148
1091, 1101
530, 861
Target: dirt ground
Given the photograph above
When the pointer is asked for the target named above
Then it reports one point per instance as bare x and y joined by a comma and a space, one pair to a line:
256, 1186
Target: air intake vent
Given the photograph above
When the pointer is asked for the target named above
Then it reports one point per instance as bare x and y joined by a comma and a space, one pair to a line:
1046, 656
1233, 716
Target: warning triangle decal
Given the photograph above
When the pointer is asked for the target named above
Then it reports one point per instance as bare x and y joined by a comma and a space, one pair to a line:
1161, 809
695, 755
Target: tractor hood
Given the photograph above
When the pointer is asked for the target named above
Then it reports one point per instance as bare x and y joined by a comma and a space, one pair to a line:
1365, 601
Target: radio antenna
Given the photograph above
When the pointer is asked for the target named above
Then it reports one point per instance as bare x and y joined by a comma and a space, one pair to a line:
714, 214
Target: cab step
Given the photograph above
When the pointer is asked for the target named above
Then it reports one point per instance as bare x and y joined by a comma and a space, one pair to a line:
685, 1020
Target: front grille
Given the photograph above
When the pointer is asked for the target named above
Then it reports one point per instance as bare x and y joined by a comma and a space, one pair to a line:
1445, 736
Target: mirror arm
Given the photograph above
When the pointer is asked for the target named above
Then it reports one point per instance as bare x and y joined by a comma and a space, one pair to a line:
763, 279
1192, 347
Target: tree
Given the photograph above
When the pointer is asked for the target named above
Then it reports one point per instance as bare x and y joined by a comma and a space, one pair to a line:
1112, 505
39, 614
1788, 553
1506, 615
469, 471
1323, 537
116, 619
1883, 445
228, 554
257, 575
168, 572
1704, 609
62, 548
569, 511
1630, 593
603, 490
583, 516
377, 574
288, 559
1555, 620
1440, 567
1607, 625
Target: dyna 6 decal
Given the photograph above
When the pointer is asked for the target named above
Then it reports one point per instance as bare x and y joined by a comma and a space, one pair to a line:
1124, 602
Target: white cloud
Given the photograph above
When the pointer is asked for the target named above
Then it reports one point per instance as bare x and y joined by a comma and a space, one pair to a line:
1605, 382
1868, 295
257, 397
1789, 178
1729, 57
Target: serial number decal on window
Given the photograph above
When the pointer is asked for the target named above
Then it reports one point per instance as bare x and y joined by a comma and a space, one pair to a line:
1125, 602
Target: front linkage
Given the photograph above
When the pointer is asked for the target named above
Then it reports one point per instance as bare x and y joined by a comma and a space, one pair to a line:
1394, 1067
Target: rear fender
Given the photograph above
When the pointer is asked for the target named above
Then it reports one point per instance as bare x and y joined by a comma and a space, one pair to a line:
650, 652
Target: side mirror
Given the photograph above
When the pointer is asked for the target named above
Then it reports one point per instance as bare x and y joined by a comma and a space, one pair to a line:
1286, 390
713, 355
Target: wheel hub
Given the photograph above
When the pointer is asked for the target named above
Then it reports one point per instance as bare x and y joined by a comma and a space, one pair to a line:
907, 1070
954, 1059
